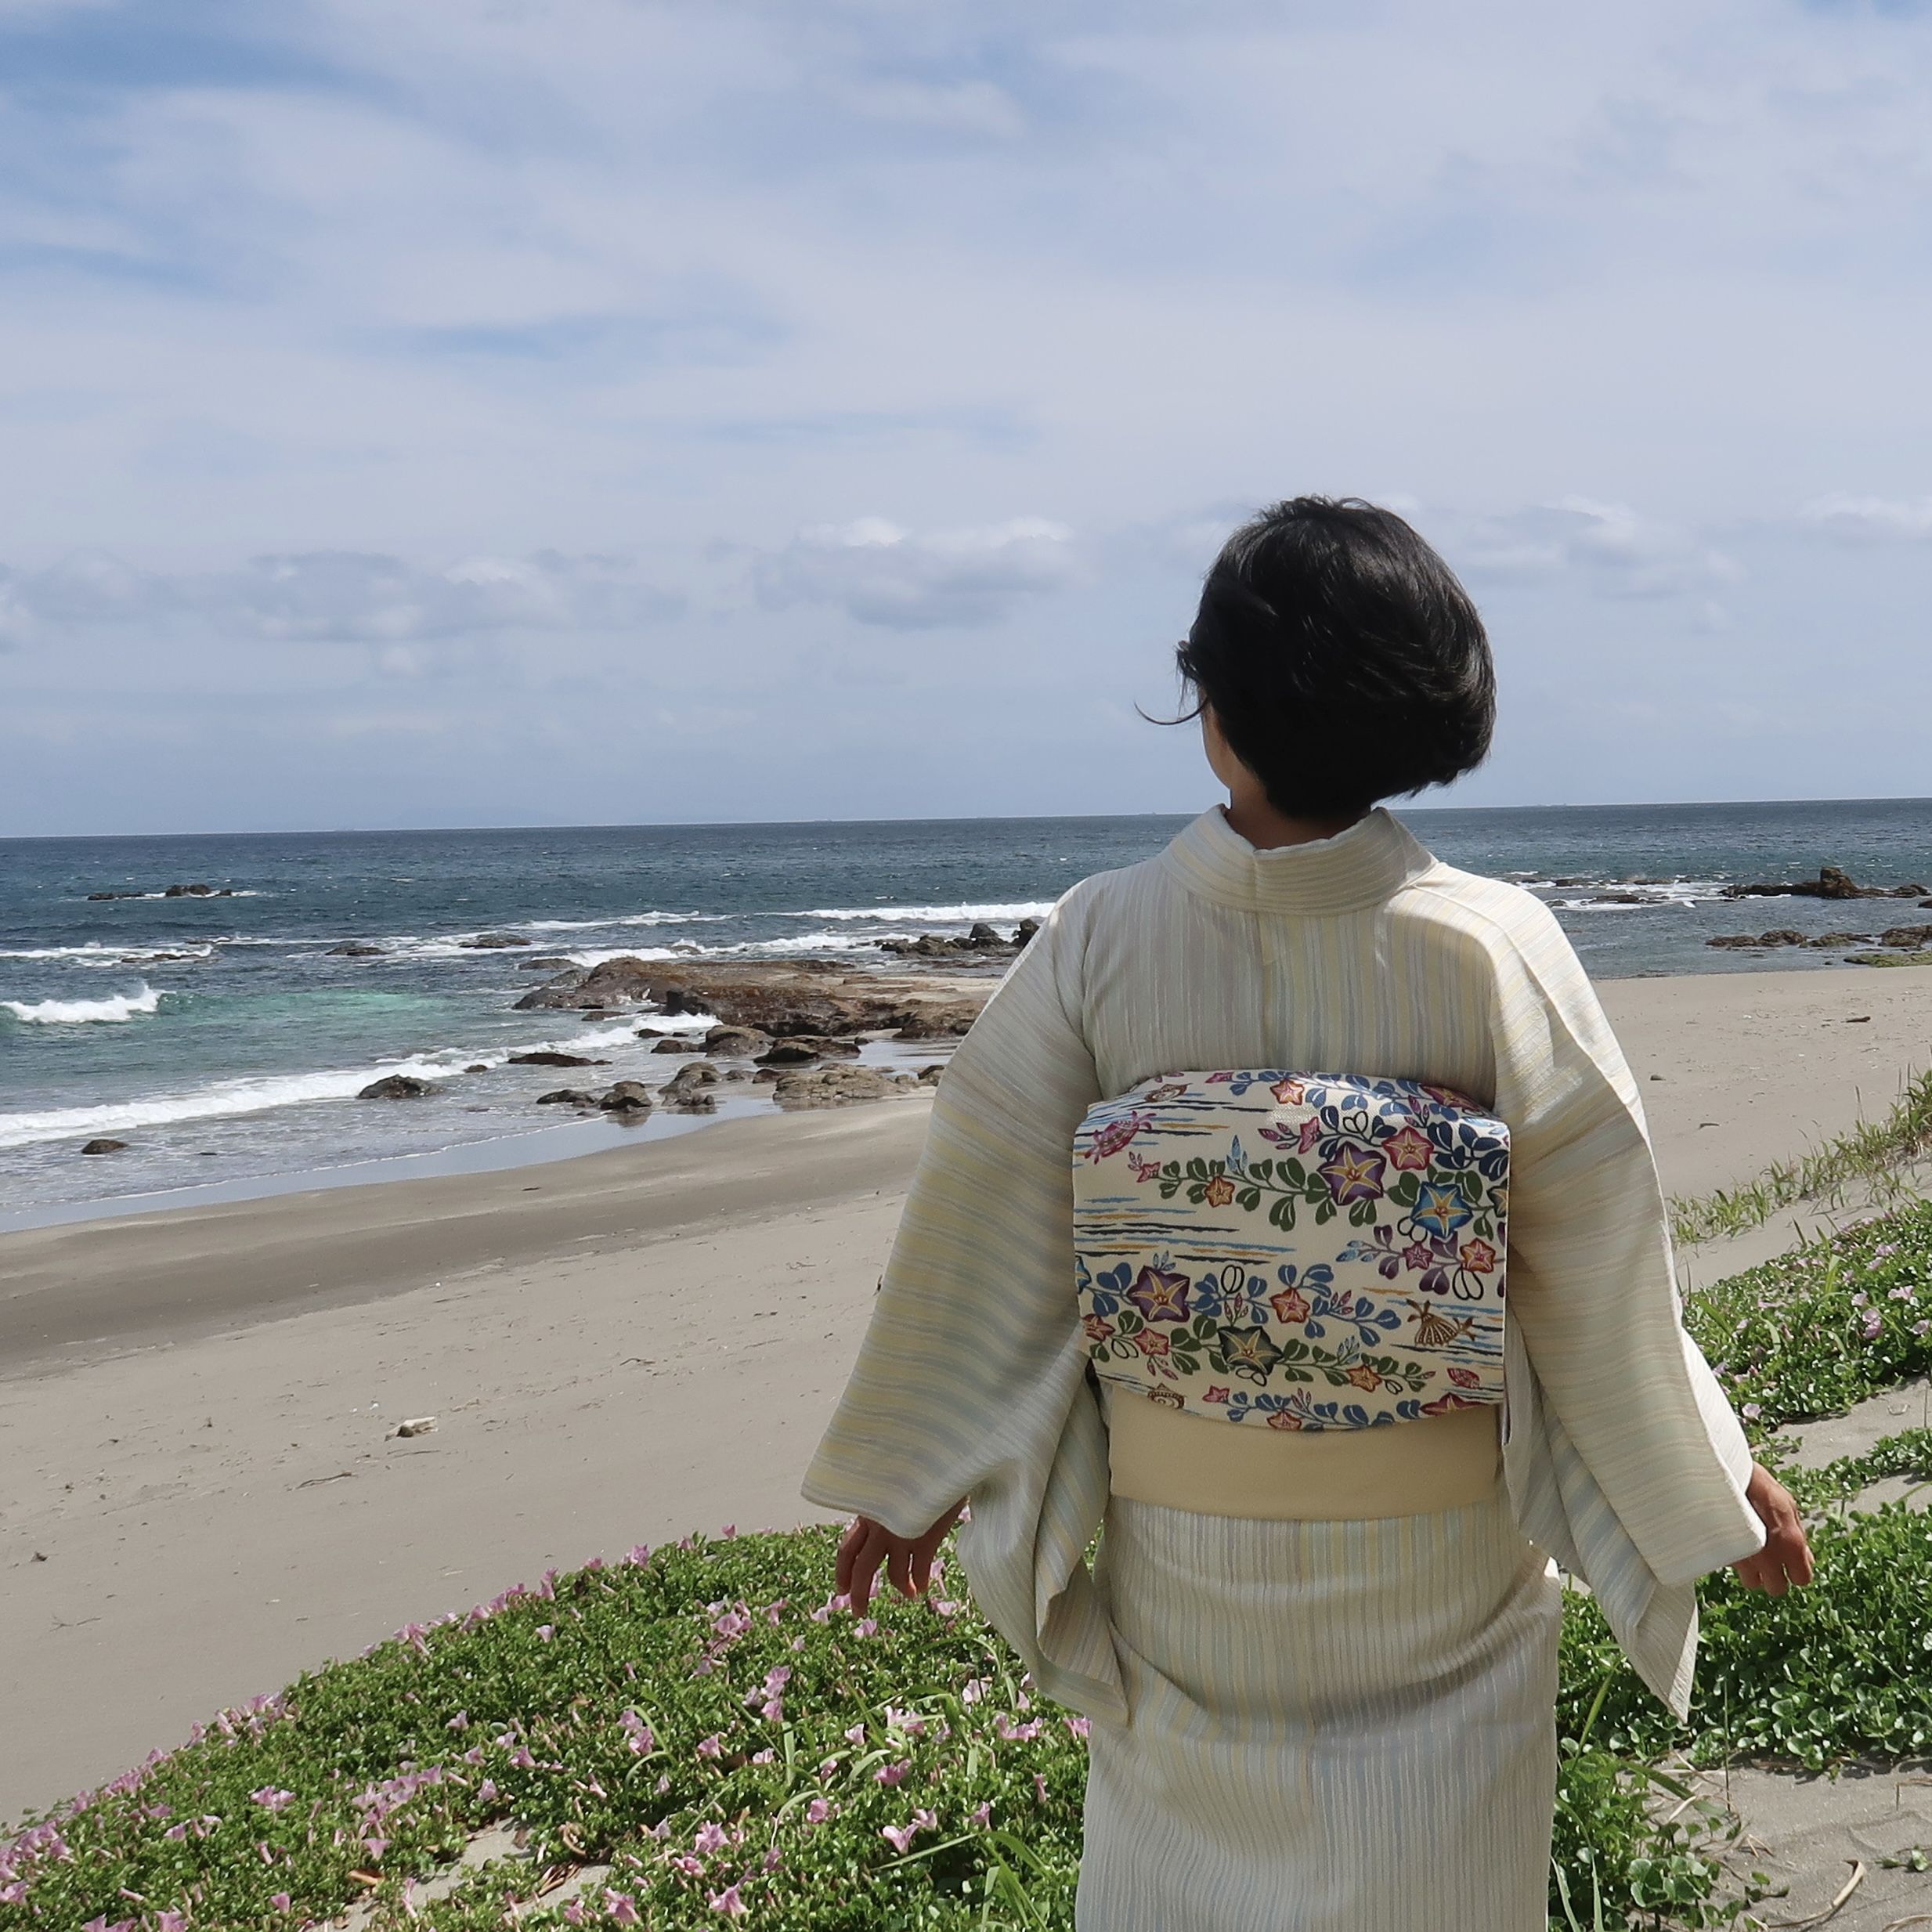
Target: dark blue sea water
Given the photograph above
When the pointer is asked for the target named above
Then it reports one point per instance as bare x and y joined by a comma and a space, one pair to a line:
220, 1036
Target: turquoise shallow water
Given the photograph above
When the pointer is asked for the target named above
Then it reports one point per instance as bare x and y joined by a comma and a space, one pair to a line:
222, 1037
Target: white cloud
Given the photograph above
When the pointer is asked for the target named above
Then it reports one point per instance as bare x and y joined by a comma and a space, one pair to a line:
1870, 519
1609, 548
880, 574
341, 596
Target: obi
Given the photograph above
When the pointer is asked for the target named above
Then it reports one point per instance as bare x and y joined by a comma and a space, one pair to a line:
1315, 1252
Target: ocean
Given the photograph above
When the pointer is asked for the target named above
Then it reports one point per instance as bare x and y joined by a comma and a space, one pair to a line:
224, 1040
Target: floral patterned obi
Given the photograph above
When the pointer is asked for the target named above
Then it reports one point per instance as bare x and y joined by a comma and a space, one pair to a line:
1318, 1251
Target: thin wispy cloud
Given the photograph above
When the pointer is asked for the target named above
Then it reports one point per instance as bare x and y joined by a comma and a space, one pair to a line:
822, 376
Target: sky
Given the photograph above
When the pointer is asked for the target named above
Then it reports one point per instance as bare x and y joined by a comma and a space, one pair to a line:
497, 412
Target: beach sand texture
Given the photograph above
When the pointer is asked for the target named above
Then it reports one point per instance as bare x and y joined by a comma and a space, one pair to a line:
201, 1494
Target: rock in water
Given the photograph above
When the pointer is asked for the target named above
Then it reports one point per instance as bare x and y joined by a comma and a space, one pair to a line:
736, 1042
395, 1087
839, 1086
567, 1096
789, 1053
548, 1056
199, 891
628, 1096
104, 1146
355, 949
678, 1043
495, 942
691, 1076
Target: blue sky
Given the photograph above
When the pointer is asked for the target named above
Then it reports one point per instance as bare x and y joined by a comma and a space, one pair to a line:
522, 411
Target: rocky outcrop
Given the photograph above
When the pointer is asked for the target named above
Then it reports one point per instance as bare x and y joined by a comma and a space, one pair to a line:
981, 940
1910, 938
567, 1096
546, 963
840, 1086
356, 949
1782, 936
549, 1056
495, 942
395, 1087
678, 1043
199, 892
816, 997
1830, 883
104, 1146
117, 895
937, 1020
628, 1096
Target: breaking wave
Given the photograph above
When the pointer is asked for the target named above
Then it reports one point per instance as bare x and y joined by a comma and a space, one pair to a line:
117, 1008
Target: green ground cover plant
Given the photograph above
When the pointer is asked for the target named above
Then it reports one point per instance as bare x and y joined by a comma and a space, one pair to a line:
705, 1735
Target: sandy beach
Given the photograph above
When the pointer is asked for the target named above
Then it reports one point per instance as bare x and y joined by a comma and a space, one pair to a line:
200, 1491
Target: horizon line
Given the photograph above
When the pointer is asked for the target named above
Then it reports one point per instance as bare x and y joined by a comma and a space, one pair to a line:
959, 819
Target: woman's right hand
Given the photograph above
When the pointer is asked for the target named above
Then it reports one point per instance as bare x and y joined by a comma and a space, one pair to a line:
1786, 1558
908, 1560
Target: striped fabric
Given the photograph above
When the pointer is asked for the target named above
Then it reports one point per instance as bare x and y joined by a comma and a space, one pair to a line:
1623, 1462
1338, 1727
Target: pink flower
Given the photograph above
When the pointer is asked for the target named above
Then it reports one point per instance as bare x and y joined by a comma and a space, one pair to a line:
900, 1835
1079, 1726
622, 1908
547, 1631
818, 1811
713, 1746
1039, 1785
981, 1817
856, 1734
710, 1838
460, 1722
280, 1901
1874, 1322
867, 1627
728, 1902
271, 1800
892, 1774
171, 1922
1752, 1410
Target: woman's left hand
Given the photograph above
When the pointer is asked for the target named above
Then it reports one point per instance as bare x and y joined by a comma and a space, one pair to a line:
1786, 1558
908, 1560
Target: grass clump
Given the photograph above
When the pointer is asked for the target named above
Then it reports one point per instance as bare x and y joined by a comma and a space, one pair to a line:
1873, 1152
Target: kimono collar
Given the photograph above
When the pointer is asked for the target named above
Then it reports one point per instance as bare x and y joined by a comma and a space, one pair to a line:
1362, 867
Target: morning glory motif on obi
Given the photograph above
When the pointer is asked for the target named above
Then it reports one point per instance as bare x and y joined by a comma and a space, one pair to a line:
1317, 1251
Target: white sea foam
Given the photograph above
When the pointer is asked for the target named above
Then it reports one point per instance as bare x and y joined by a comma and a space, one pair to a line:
95, 955
931, 915
117, 1008
218, 1100
223, 1099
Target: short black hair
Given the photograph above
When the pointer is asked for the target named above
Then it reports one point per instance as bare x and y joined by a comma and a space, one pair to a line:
1344, 662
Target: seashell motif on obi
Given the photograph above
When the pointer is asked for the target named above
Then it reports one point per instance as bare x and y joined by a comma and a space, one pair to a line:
1314, 1250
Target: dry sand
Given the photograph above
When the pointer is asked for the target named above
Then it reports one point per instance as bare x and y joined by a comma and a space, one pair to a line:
200, 1495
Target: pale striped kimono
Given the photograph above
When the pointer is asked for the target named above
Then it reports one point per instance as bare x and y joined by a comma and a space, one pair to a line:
1216, 1771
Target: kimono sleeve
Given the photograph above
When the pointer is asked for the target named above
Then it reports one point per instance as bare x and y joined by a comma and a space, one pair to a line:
1592, 1285
974, 1356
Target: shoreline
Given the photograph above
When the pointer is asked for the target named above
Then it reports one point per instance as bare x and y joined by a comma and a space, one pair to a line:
201, 1491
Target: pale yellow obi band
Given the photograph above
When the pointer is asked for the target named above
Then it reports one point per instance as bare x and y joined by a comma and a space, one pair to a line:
1155, 1454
